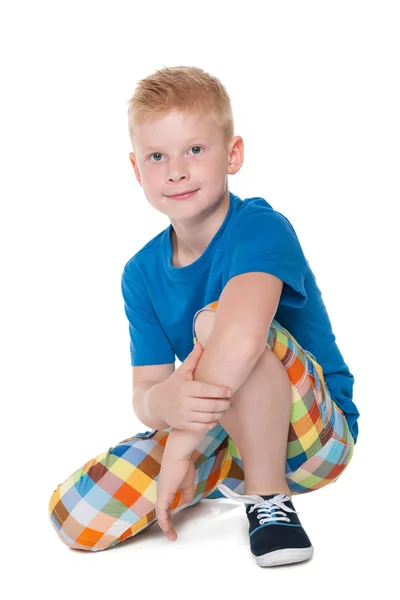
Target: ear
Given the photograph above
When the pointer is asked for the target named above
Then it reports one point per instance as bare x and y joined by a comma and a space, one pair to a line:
236, 154
132, 158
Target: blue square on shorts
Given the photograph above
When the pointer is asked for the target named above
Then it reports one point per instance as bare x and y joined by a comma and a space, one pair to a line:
296, 461
120, 450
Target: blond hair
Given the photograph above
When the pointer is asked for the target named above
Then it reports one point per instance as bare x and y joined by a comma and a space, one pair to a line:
186, 89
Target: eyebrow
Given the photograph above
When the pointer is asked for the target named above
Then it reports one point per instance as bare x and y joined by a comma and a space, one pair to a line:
195, 139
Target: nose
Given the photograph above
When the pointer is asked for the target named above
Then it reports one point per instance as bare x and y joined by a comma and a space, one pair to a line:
177, 171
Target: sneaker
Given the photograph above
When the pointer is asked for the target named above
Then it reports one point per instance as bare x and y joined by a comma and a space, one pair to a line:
276, 534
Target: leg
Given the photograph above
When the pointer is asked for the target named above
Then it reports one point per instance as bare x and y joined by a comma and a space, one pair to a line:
319, 442
113, 496
258, 419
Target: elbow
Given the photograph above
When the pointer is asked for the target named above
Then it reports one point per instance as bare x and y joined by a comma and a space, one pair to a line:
254, 347
251, 346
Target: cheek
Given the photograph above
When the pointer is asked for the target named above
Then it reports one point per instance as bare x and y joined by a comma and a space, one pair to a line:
152, 175
214, 170
211, 167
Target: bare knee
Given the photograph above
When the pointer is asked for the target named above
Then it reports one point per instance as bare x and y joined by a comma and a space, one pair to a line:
204, 325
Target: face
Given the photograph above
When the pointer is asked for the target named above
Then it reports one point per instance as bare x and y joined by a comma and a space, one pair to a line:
183, 152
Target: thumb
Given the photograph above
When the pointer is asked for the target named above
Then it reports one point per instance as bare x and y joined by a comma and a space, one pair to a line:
190, 362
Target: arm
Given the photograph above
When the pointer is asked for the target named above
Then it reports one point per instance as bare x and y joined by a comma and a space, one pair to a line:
235, 344
143, 405
226, 360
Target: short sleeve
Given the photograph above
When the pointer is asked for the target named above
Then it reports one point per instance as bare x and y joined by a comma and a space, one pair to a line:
149, 345
266, 241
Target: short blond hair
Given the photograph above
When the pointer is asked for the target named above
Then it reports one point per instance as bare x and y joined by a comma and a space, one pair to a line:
187, 89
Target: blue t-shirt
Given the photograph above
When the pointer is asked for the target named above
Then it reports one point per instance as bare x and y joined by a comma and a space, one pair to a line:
160, 300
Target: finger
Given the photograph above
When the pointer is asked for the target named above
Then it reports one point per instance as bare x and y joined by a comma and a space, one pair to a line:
214, 406
164, 517
212, 391
164, 520
166, 527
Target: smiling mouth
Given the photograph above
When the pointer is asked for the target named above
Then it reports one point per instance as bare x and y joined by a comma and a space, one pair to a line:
183, 196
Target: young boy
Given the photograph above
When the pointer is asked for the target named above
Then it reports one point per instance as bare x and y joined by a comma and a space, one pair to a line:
230, 274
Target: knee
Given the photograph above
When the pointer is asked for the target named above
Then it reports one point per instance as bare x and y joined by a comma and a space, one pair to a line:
66, 527
58, 515
205, 320
204, 324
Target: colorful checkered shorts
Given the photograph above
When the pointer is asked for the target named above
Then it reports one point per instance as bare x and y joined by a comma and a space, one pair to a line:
113, 496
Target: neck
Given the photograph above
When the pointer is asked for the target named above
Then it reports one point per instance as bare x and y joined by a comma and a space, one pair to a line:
192, 239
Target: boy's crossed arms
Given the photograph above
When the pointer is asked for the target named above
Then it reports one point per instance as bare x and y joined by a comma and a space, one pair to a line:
244, 314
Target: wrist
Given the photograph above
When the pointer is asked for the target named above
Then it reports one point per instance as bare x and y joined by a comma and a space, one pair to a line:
181, 443
153, 407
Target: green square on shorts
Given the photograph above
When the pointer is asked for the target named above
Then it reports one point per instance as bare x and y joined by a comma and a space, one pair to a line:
281, 337
310, 481
294, 448
299, 409
232, 449
114, 508
201, 487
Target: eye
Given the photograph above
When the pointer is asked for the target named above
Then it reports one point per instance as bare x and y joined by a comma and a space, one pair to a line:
199, 148
155, 154
196, 147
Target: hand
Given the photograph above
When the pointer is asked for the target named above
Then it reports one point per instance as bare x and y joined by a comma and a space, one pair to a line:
175, 474
187, 404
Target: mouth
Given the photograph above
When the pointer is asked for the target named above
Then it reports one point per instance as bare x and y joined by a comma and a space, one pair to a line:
183, 196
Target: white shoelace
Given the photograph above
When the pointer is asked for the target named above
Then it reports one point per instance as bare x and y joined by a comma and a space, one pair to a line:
267, 508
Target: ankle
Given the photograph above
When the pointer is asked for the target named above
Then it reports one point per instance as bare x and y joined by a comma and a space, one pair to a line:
265, 491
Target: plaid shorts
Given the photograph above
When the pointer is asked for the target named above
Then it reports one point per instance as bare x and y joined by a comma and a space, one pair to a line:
113, 496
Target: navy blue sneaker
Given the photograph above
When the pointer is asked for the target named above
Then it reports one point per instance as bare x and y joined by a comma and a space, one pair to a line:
276, 534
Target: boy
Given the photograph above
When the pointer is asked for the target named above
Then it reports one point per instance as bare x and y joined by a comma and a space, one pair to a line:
230, 274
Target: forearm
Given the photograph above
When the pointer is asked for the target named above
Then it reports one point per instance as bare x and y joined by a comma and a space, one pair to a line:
225, 361
144, 408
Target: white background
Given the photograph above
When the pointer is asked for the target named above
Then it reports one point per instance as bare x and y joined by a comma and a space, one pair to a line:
315, 93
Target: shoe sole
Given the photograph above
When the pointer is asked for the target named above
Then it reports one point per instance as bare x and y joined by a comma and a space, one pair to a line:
284, 556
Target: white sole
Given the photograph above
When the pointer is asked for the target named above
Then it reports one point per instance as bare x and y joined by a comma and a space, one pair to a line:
284, 556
